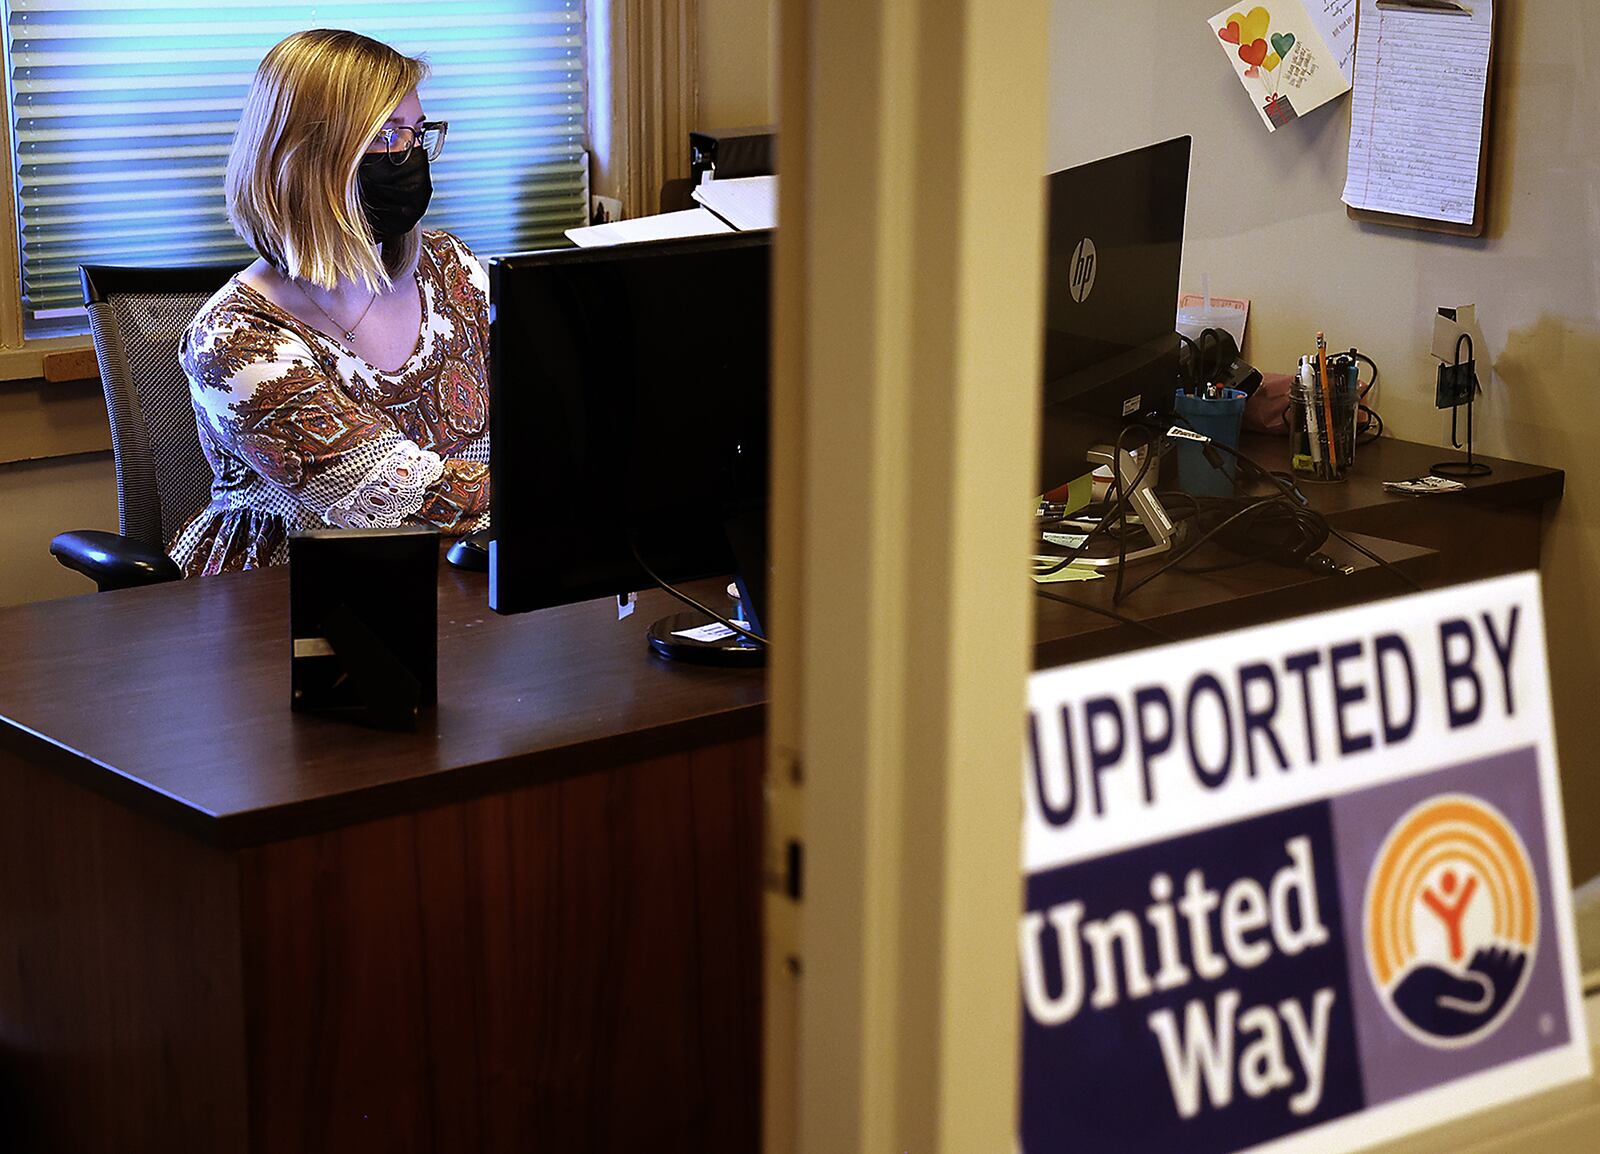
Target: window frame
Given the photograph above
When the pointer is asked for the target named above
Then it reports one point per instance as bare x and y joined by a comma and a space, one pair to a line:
21, 358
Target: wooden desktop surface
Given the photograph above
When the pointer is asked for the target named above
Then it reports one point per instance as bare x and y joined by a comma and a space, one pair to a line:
1362, 494
174, 699
1178, 606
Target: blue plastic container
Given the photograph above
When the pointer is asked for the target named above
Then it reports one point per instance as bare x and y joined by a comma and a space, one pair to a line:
1219, 419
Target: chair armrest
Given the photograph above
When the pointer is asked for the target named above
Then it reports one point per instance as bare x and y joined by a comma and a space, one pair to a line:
113, 561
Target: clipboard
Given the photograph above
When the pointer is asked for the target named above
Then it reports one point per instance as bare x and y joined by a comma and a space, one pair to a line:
1480, 211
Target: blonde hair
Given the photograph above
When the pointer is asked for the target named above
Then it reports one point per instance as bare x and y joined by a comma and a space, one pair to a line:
316, 103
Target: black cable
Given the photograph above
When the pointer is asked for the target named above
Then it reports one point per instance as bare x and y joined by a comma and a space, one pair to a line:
692, 603
1401, 575
1122, 505
1285, 488
1373, 365
1111, 613
1287, 491
1074, 553
1195, 544
1279, 531
1370, 434
1365, 552
1300, 531
1121, 509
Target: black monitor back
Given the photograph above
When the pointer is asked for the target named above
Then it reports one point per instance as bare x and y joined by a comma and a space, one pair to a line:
1113, 263
629, 410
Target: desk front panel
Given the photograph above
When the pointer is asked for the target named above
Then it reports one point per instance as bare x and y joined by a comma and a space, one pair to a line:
573, 965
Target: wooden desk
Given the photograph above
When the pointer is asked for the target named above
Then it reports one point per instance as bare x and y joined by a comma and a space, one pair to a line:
225, 927
1494, 526
534, 925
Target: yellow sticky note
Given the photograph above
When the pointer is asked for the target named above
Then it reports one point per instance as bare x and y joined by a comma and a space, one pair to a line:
1070, 573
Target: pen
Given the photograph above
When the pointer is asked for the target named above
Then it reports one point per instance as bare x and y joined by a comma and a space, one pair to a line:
1308, 389
1353, 384
1327, 403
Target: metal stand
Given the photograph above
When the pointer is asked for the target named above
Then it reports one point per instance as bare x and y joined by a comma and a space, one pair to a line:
1153, 516
1469, 468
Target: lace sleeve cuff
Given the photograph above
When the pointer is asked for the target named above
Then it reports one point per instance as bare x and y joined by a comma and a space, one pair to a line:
394, 490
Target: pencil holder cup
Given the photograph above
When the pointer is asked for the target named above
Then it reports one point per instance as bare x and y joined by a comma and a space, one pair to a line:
1313, 453
1218, 418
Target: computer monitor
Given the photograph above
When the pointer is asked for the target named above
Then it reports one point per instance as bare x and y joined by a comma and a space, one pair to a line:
1114, 256
629, 414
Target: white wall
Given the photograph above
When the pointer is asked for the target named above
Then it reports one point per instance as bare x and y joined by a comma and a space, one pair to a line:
55, 474
738, 77
1266, 221
39, 499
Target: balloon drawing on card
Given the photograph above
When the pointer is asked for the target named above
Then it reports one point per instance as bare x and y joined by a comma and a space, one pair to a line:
1288, 61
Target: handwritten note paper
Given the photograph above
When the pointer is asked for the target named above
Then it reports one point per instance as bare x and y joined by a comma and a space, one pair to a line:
1284, 56
1416, 120
1336, 20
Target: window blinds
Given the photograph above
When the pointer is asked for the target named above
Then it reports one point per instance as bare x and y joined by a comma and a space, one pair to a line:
122, 114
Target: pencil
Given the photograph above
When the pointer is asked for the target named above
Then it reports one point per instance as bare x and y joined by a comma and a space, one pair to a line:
1327, 404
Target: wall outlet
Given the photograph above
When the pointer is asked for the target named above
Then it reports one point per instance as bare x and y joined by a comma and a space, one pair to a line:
603, 209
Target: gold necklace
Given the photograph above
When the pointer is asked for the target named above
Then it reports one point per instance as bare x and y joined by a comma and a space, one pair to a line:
349, 333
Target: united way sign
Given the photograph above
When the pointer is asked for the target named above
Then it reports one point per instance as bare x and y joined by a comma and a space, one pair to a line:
1299, 888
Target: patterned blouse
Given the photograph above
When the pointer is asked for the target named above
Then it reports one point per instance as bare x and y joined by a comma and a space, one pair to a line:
302, 433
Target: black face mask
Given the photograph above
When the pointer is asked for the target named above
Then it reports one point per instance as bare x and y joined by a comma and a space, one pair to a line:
394, 195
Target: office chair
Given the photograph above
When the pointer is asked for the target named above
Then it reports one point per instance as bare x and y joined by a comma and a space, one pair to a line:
137, 317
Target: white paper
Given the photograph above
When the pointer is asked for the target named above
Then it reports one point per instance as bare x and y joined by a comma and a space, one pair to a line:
1233, 315
667, 225
1416, 121
716, 631
747, 203
1336, 20
1424, 485
1447, 332
1066, 540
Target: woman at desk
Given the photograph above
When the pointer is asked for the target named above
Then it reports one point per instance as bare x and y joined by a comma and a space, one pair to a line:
341, 378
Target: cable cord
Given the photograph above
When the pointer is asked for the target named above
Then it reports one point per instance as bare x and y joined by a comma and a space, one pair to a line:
1289, 491
1362, 392
741, 630
1120, 506
1206, 536
1279, 530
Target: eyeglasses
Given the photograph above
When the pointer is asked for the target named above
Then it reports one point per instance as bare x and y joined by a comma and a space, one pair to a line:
398, 142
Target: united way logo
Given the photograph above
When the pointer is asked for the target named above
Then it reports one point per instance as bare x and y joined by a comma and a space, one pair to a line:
1452, 921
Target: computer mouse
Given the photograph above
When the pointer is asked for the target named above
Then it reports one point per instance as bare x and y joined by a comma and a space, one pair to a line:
471, 552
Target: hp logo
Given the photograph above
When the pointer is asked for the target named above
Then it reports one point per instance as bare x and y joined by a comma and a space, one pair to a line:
1083, 270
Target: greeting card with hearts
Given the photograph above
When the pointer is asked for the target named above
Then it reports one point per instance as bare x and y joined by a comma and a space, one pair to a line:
1283, 57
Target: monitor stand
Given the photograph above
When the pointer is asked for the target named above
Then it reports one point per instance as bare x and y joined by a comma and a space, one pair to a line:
1142, 500
725, 648
746, 531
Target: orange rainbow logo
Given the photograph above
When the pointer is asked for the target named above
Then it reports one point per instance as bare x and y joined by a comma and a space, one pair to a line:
1451, 920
